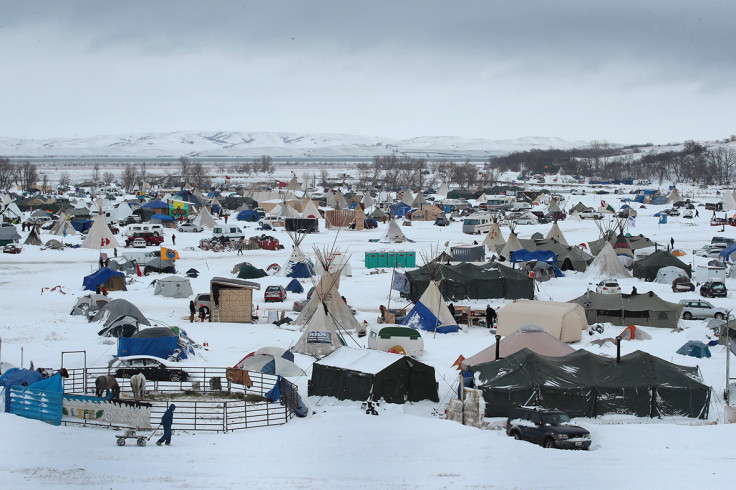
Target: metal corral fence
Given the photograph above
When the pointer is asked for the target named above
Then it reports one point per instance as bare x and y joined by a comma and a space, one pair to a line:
219, 410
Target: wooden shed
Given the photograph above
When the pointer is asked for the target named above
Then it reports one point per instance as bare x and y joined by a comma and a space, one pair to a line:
232, 300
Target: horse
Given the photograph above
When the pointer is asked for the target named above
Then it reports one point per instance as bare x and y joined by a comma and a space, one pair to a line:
106, 384
138, 385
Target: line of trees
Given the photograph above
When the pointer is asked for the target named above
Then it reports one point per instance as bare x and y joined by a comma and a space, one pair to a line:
23, 173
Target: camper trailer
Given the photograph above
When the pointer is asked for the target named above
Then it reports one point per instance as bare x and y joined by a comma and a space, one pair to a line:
477, 224
396, 339
498, 203
131, 230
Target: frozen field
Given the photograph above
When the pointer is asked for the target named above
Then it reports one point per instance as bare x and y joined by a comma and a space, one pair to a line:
339, 446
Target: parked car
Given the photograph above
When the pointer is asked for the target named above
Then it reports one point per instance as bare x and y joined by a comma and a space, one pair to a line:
697, 308
186, 227
608, 286
671, 212
153, 368
548, 428
682, 284
713, 288
149, 238
11, 248
442, 221
203, 299
556, 216
590, 214
526, 221
275, 294
136, 242
723, 239
688, 213
711, 251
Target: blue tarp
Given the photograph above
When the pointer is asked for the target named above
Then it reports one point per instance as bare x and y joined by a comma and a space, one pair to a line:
421, 317
299, 269
248, 215
162, 217
81, 225
155, 205
161, 347
525, 255
17, 377
399, 209
726, 253
40, 400
98, 278
185, 195
295, 287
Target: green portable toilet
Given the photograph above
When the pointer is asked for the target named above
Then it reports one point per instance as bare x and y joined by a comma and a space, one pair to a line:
411, 259
371, 260
400, 259
382, 259
391, 259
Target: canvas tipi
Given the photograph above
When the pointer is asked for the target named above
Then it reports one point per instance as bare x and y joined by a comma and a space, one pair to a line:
62, 227
394, 234
100, 236
204, 219
298, 265
511, 246
320, 336
556, 234
494, 240
607, 264
431, 313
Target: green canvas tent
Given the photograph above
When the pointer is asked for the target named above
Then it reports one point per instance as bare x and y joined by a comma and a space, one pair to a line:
647, 267
645, 309
471, 281
588, 385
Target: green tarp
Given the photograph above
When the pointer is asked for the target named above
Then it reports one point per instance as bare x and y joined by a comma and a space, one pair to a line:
470, 281
587, 385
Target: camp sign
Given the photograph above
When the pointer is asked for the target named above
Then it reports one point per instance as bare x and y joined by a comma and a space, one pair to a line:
319, 337
97, 409
178, 209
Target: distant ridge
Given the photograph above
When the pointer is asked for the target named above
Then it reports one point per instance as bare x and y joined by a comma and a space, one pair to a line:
228, 144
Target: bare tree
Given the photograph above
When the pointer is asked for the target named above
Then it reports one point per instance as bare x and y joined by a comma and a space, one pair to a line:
64, 179
7, 172
28, 174
129, 178
108, 177
184, 169
198, 175
96, 173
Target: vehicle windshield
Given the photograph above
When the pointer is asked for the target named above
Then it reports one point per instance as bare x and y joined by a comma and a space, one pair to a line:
471, 222
272, 288
555, 418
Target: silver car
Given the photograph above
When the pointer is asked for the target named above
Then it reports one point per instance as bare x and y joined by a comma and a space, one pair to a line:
697, 308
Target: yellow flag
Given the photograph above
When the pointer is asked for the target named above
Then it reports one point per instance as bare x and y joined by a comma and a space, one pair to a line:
169, 254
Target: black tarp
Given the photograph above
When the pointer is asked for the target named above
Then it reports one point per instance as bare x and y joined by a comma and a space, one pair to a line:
402, 380
587, 385
470, 281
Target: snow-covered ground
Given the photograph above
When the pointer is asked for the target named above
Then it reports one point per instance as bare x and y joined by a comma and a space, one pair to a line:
339, 446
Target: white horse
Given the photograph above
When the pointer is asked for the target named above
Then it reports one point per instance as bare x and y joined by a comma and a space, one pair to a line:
138, 385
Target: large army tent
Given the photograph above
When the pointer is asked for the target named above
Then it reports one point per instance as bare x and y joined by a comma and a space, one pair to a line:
532, 337
647, 267
587, 385
362, 374
471, 281
564, 321
625, 309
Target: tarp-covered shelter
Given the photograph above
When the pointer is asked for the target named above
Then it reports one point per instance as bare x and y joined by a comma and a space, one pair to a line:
532, 337
362, 374
159, 342
431, 313
105, 277
647, 267
564, 321
646, 309
173, 287
248, 271
583, 384
471, 281
8, 234
159, 266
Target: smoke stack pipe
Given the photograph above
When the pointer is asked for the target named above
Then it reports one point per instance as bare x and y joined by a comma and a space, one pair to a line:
498, 346
618, 350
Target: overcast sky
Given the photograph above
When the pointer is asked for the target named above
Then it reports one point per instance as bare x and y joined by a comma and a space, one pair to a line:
624, 71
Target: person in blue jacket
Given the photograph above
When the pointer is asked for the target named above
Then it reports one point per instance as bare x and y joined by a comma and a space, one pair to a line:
166, 420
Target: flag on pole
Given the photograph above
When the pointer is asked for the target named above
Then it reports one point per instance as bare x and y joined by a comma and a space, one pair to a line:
169, 253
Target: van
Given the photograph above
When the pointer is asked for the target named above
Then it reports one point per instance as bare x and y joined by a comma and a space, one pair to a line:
131, 230
227, 232
477, 224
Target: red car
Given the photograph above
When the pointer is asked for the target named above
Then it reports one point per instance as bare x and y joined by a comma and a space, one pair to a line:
11, 249
274, 293
150, 239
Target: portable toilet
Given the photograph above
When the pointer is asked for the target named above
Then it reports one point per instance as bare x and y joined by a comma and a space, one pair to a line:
371, 260
382, 259
411, 259
400, 259
391, 259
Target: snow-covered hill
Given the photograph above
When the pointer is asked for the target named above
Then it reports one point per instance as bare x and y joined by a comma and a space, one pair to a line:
277, 145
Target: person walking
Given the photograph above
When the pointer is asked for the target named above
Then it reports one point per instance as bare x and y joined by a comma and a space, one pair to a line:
202, 313
166, 420
192, 310
240, 247
490, 316
173, 239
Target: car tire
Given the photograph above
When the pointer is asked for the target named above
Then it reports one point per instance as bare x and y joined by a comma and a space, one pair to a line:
720, 316
148, 243
175, 377
687, 315
549, 443
515, 434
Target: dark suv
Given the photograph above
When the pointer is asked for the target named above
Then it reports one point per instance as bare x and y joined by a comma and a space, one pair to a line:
712, 289
548, 428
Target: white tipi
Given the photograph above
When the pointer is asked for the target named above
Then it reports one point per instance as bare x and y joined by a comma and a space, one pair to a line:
556, 234
320, 336
100, 236
393, 234
607, 264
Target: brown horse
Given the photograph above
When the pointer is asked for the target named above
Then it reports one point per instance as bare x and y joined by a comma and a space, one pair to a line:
107, 384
